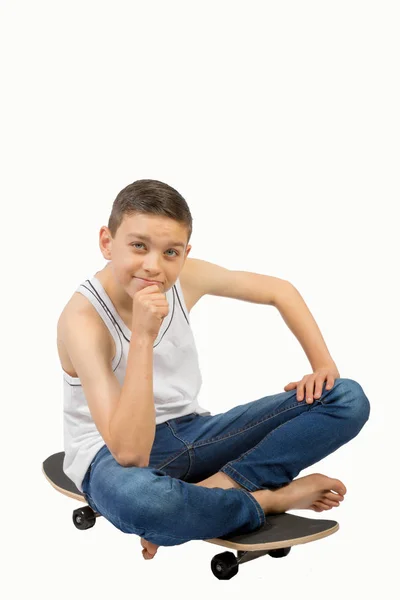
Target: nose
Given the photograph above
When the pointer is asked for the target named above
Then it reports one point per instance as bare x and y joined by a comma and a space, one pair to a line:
151, 274
150, 267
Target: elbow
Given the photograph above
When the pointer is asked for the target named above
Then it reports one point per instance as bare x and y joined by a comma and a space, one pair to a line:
283, 290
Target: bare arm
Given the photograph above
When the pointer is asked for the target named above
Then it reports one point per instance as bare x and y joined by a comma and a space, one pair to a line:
124, 416
133, 423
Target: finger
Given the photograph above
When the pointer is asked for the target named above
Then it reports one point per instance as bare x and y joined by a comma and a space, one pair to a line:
289, 386
310, 390
319, 382
300, 391
302, 388
330, 382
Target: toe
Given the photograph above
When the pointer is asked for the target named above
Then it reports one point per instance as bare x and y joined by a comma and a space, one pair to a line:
322, 505
330, 503
339, 487
334, 497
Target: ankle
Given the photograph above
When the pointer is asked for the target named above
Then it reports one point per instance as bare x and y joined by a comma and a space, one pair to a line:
220, 480
260, 496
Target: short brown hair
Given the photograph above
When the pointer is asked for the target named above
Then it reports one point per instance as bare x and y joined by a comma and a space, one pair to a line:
149, 196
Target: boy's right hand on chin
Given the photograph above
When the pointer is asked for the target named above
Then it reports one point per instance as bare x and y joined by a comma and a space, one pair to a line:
149, 309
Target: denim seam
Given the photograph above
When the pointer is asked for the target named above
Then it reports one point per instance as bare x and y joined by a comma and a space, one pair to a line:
242, 456
241, 479
261, 515
180, 453
177, 437
241, 431
187, 447
172, 459
219, 439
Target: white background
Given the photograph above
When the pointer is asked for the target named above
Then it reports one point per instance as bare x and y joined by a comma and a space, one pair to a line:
279, 124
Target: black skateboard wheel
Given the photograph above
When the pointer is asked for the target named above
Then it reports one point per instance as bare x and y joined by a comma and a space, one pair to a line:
279, 552
224, 565
84, 518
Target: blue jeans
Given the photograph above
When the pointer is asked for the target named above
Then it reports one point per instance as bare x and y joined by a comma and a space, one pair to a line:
263, 444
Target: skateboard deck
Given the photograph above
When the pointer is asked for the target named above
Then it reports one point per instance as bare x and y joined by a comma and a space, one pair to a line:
276, 537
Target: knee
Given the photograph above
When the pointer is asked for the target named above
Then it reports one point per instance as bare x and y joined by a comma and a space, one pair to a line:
145, 500
352, 399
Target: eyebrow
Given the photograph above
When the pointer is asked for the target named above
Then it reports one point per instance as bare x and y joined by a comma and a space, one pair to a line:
148, 239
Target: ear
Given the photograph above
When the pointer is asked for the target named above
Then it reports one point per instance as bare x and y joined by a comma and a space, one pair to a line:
105, 242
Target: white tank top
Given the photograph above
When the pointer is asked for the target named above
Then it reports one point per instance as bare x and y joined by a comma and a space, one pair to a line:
176, 376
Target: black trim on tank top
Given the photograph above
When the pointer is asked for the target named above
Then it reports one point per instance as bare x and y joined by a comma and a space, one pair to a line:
106, 308
117, 325
113, 322
180, 303
111, 316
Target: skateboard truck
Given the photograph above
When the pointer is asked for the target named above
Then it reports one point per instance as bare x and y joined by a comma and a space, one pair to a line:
226, 565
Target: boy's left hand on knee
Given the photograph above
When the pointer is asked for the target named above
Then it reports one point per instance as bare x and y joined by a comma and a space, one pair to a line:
312, 384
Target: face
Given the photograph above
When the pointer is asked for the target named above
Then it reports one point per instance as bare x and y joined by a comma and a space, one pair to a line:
159, 258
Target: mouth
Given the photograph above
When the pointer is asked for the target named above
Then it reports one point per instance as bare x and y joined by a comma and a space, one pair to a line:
148, 280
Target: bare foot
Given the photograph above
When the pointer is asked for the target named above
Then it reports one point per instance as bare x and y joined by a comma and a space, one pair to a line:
315, 492
149, 549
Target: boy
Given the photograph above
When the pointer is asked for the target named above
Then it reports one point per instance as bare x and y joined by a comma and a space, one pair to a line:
137, 444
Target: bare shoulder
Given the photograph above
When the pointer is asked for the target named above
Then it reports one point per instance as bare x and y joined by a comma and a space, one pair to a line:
77, 305
79, 310
202, 277
191, 281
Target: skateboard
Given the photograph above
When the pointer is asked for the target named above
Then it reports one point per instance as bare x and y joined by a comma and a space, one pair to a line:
275, 538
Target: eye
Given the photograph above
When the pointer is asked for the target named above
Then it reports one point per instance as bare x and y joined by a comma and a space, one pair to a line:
140, 244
